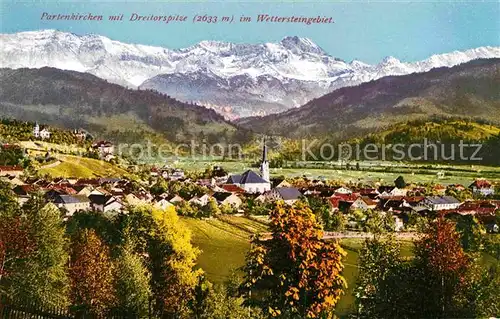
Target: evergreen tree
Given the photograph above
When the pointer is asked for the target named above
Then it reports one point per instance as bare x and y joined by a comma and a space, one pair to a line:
44, 279
132, 283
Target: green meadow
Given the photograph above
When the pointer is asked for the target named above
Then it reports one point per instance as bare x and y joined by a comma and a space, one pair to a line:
224, 244
376, 171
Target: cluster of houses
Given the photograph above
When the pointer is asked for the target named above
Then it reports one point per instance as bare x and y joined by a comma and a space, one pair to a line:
402, 202
116, 194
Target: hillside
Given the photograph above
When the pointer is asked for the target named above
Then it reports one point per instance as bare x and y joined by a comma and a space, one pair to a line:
469, 90
81, 167
72, 100
452, 130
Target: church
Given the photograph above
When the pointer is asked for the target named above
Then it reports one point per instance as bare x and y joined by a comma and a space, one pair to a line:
250, 181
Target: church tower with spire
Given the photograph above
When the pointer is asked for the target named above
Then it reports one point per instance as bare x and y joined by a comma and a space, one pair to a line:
264, 165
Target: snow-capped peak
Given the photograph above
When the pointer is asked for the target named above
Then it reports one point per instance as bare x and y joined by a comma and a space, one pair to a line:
390, 60
283, 74
301, 45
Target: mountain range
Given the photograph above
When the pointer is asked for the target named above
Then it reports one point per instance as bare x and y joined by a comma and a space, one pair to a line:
470, 90
237, 80
72, 100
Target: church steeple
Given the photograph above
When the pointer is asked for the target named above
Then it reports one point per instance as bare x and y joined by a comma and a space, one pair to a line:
264, 165
264, 151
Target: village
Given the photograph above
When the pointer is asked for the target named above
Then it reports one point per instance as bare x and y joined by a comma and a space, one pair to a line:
250, 193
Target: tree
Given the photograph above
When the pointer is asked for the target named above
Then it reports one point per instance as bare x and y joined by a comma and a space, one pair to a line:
321, 209
379, 284
295, 274
471, 232
379, 222
211, 208
44, 277
171, 257
338, 221
443, 266
400, 182
9, 206
16, 245
132, 283
91, 274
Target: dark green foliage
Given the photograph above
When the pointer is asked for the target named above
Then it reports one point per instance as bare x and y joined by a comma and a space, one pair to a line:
400, 182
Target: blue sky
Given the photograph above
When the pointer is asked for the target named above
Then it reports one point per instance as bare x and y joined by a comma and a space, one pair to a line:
367, 31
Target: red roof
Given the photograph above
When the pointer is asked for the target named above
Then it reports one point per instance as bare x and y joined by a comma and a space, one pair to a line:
232, 188
481, 183
10, 168
62, 188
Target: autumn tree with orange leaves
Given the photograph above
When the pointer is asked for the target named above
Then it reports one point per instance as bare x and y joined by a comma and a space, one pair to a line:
91, 275
442, 265
294, 274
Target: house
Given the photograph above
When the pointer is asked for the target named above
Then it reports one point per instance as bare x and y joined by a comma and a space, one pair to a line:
12, 180
162, 203
207, 182
364, 203
287, 194
230, 199
177, 174
477, 208
436, 203
105, 203
11, 171
200, 201
174, 199
42, 134
343, 191
341, 201
104, 148
482, 187
457, 187
23, 192
83, 190
71, 203
401, 203
136, 199
369, 192
250, 181
80, 135
281, 183
439, 189
390, 191
398, 223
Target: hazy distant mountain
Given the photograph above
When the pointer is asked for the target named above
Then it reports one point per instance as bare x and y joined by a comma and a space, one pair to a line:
469, 90
72, 100
235, 79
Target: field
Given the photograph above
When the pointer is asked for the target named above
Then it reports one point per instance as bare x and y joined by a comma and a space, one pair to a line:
81, 167
224, 245
376, 171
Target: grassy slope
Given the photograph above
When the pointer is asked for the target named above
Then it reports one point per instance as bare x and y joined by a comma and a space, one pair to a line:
79, 167
224, 247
